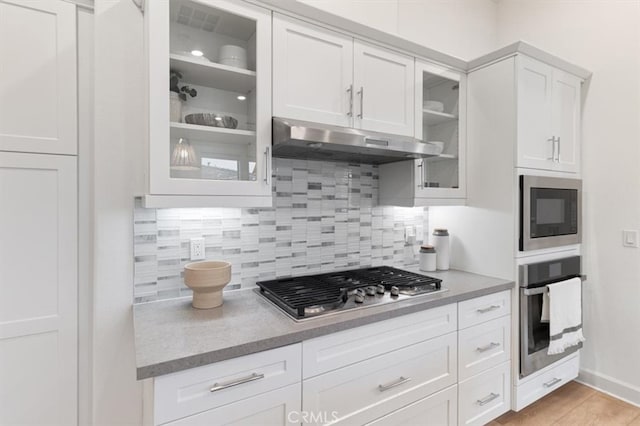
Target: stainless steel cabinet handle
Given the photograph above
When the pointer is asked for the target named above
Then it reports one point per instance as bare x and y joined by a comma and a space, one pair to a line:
552, 139
361, 93
487, 399
398, 382
552, 382
558, 150
488, 347
421, 166
266, 164
350, 92
488, 309
220, 386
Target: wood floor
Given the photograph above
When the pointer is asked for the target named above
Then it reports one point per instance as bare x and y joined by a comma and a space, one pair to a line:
574, 404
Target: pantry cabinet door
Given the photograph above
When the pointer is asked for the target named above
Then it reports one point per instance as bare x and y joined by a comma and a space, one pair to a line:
312, 73
38, 80
384, 90
535, 135
38, 289
566, 120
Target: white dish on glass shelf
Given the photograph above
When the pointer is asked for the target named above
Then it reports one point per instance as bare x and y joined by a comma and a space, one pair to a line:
433, 106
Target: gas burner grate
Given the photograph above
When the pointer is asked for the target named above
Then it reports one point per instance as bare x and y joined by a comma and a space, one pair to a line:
313, 294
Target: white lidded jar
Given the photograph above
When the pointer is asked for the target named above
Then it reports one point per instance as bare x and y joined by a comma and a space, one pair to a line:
427, 258
440, 240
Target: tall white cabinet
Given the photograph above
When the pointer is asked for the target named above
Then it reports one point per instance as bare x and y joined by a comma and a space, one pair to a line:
38, 213
38, 77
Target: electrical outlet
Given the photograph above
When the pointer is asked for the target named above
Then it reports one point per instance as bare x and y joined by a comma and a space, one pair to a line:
197, 248
409, 234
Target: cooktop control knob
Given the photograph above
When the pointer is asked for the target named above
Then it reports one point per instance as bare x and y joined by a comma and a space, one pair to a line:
358, 298
395, 291
380, 289
371, 291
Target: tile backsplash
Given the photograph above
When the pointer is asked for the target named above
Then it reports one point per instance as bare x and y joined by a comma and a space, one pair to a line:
325, 218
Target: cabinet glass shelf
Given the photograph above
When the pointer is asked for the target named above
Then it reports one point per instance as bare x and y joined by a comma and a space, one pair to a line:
442, 157
218, 135
431, 118
211, 74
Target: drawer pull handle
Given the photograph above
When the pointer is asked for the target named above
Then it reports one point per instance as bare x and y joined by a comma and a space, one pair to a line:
552, 382
220, 386
398, 382
488, 309
487, 347
487, 399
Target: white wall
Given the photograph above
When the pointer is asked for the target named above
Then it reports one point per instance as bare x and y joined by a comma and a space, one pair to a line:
462, 28
604, 37
119, 141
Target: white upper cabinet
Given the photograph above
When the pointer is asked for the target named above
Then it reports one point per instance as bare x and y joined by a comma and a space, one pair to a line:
218, 142
548, 117
313, 73
38, 79
384, 90
326, 77
565, 120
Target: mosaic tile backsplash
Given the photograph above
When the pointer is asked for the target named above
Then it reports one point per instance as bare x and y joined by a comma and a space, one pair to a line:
325, 218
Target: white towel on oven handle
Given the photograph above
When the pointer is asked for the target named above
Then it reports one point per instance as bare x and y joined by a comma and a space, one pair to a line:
565, 315
544, 316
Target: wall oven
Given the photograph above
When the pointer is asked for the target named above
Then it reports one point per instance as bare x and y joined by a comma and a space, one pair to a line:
550, 212
534, 333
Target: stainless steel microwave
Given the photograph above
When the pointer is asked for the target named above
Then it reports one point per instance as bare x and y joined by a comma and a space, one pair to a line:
550, 212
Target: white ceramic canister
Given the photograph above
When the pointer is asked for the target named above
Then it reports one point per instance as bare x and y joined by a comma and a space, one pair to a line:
427, 258
440, 240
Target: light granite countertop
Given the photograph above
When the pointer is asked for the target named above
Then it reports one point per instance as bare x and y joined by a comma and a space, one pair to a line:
171, 336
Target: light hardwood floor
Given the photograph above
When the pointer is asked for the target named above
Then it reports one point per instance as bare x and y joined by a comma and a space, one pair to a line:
574, 404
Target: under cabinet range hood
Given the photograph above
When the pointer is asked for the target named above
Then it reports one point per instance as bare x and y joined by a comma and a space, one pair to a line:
312, 141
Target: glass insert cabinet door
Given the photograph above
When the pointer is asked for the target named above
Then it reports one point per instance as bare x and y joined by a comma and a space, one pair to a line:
440, 109
209, 98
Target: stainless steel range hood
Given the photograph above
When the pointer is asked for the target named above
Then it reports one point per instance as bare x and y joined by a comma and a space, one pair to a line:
312, 141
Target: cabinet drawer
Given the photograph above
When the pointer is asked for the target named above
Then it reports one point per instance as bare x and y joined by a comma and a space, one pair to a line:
372, 388
485, 308
486, 396
484, 346
350, 346
275, 408
199, 389
548, 381
441, 409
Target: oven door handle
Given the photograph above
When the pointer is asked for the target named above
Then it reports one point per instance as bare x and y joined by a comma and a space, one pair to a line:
544, 289
534, 291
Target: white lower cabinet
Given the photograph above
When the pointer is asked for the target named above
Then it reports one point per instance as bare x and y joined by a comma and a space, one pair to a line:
362, 392
439, 409
275, 408
197, 390
483, 346
549, 380
486, 396
419, 368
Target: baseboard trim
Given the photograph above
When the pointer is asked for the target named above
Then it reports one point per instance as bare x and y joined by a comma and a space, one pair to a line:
614, 387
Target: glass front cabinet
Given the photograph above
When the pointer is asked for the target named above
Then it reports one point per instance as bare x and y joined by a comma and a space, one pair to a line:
440, 113
440, 106
209, 65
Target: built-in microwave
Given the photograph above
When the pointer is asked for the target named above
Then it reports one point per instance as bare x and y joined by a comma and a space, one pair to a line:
550, 212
